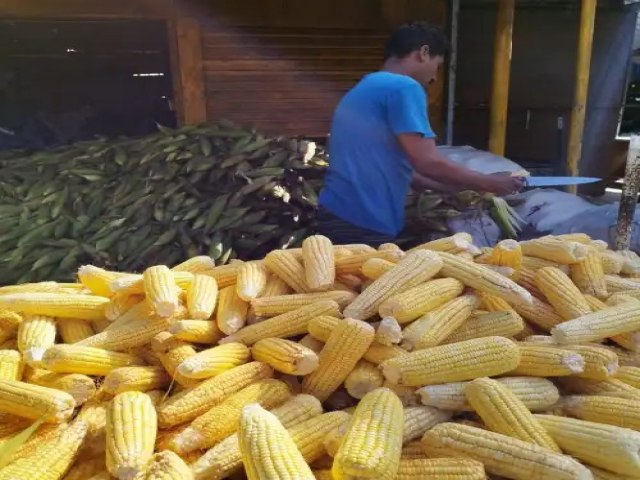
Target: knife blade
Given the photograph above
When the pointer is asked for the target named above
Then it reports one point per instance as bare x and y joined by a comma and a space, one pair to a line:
559, 181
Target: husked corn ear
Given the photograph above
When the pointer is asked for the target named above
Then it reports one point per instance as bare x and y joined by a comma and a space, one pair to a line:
286, 325
9, 322
415, 302
33, 401
555, 250
190, 404
268, 451
320, 327
374, 268
252, 280
289, 268
378, 353
225, 275
232, 311
309, 435
612, 262
134, 284
598, 325
536, 263
414, 269
440, 469
73, 330
588, 276
538, 313
599, 474
616, 284
277, 305
629, 375
196, 331
346, 345
311, 343
202, 295
419, 419
503, 412
352, 264
285, 356
167, 465
434, 327
222, 420
87, 360
36, 334
526, 278
548, 361
319, 262
561, 293
599, 363
595, 304
213, 361
575, 237
455, 362
81, 387
502, 455
502, 324
388, 331
275, 287
172, 352
97, 280
161, 290
631, 264
610, 387
625, 357
604, 446
63, 305
195, 265
364, 378
481, 278
507, 253
139, 379
11, 365
131, 430
372, 445
621, 412
456, 243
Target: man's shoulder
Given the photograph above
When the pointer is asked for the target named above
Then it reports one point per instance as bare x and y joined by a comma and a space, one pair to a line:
390, 81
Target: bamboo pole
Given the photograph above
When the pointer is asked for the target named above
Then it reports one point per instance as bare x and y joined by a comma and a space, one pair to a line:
581, 90
501, 76
629, 198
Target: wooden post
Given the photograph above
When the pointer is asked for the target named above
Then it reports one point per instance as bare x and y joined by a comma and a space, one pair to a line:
629, 198
189, 78
581, 89
501, 76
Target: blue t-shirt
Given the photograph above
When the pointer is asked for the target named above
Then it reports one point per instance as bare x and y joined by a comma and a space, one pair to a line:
369, 175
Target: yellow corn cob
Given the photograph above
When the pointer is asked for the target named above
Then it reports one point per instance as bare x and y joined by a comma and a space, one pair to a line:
594, 303
419, 419
372, 444
30, 288
364, 378
492, 303
414, 269
225, 275
433, 328
201, 297
33, 401
161, 290
213, 361
225, 458
415, 302
374, 268
352, 264
97, 280
277, 305
252, 280
275, 287
502, 455
9, 322
63, 305
599, 474
289, 268
309, 435
120, 304
507, 253
222, 420
44, 433
481, 278
86, 468
333, 439
134, 284
73, 330
378, 353
196, 331
561, 293
548, 361
440, 469
612, 262
81, 387
172, 352
610, 387
35, 334
588, 276
538, 313
503, 412
598, 325
412, 451
616, 284
50, 459
285, 356
631, 263
167, 465
459, 242
319, 263
346, 345
268, 451
196, 265
288, 324
625, 358
131, 430
311, 343
605, 446
232, 311
502, 324
190, 404
629, 375
575, 237
599, 363
140, 379
11, 365
535, 263
87, 360
526, 279
555, 250
320, 327
388, 331
621, 412
455, 362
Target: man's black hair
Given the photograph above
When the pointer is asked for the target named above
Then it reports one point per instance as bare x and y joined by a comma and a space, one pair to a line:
412, 36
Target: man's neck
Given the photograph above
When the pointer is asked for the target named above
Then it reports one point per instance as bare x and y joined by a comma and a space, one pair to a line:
398, 66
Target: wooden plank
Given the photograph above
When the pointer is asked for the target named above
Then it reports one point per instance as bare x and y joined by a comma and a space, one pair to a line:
259, 65
160, 9
581, 89
629, 198
189, 59
394, 12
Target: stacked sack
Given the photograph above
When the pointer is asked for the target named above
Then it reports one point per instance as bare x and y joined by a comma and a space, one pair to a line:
344, 362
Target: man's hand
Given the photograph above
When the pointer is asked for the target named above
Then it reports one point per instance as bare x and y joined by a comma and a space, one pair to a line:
503, 183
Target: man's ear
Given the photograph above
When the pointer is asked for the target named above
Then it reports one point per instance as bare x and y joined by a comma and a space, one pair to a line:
425, 53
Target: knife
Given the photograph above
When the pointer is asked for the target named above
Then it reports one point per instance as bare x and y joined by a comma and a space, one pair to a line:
532, 182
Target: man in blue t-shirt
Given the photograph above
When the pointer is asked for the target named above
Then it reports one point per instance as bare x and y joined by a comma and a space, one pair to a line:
381, 144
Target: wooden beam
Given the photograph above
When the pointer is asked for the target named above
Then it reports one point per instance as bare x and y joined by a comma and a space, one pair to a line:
188, 76
629, 198
581, 89
394, 12
501, 76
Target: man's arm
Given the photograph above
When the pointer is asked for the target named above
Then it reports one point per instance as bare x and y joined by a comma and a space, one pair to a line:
420, 183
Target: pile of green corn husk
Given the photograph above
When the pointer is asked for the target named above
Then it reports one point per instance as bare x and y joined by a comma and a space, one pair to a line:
217, 190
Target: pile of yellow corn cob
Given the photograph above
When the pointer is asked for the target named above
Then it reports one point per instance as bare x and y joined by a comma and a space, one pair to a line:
344, 362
